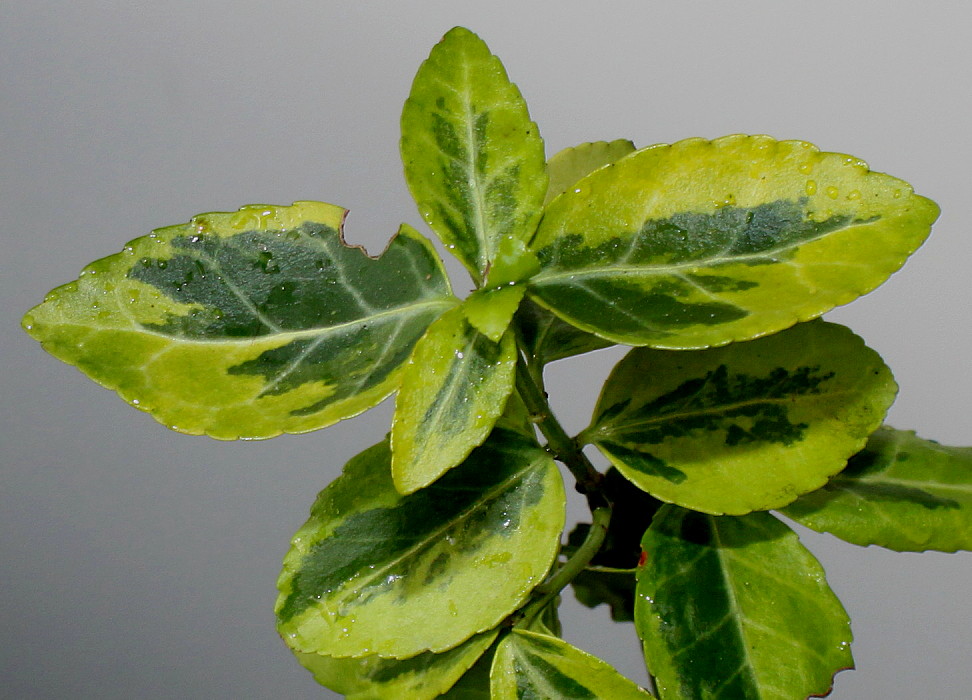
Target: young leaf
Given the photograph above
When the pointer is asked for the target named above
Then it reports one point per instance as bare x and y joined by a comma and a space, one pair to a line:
375, 572
474, 161
250, 323
490, 311
746, 427
736, 607
452, 391
421, 677
532, 665
568, 166
899, 492
702, 243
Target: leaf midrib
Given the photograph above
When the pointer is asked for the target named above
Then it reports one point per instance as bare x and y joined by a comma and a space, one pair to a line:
746, 665
704, 263
408, 309
613, 428
478, 205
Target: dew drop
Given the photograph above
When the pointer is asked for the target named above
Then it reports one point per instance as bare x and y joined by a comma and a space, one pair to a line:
805, 168
832, 192
811, 188
854, 194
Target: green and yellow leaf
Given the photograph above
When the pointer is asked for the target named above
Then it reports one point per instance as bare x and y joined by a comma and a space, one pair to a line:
750, 426
568, 166
735, 608
490, 311
474, 161
421, 677
248, 324
529, 665
453, 390
373, 572
899, 492
702, 243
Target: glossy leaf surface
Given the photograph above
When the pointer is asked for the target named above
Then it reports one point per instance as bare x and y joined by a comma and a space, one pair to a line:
421, 677
568, 166
702, 243
474, 161
248, 324
899, 492
454, 388
490, 311
375, 572
529, 665
735, 608
746, 427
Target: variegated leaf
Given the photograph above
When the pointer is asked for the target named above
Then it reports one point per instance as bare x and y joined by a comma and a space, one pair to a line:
490, 311
373, 572
735, 608
530, 665
568, 166
454, 388
474, 161
421, 677
702, 243
746, 427
248, 324
899, 492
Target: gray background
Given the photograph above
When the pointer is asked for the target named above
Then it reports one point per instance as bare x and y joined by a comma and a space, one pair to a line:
135, 562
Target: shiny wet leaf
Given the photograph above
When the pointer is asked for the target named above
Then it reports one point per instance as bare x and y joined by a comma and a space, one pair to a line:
452, 392
474, 161
735, 608
746, 427
899, 492
702, 243
373, 572
248, 324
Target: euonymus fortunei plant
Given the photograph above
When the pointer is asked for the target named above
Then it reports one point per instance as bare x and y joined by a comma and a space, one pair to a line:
434, 564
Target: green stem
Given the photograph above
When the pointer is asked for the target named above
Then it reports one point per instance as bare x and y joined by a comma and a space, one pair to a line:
550, 589
563, 447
